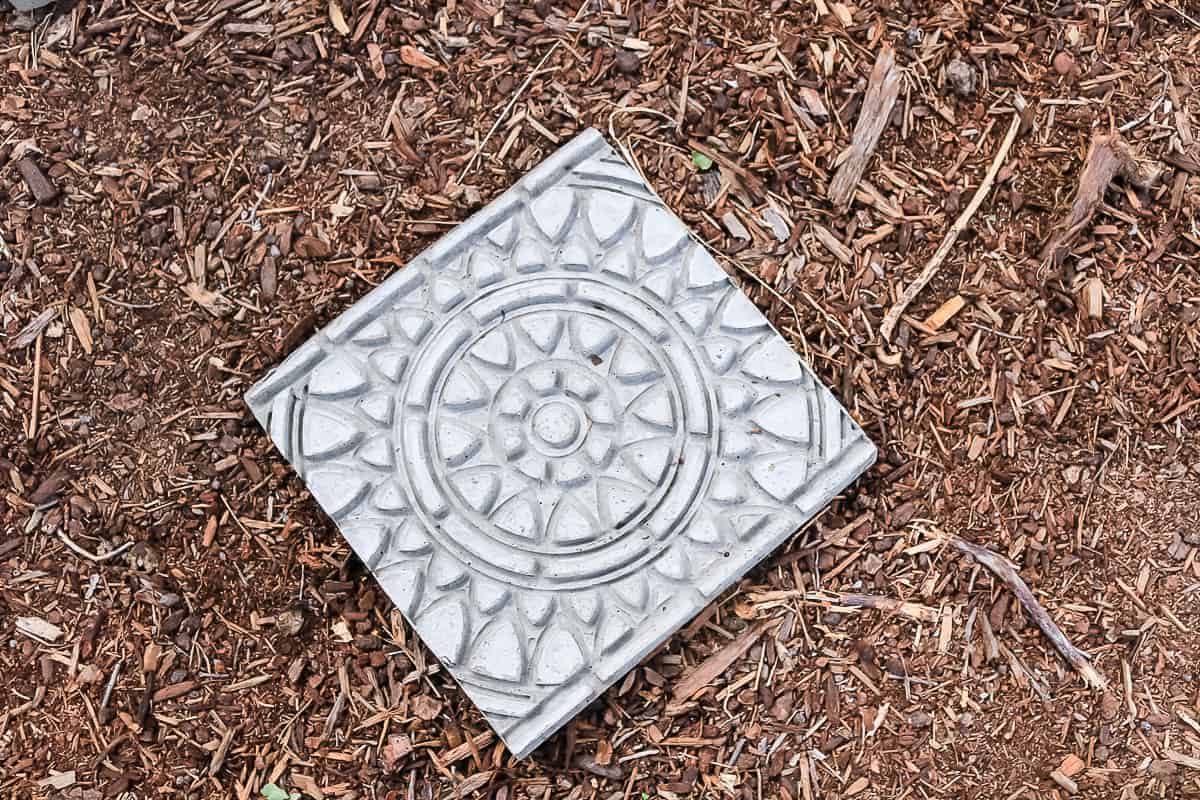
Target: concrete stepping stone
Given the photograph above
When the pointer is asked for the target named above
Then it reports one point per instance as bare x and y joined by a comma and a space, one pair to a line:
29, 5
556, 435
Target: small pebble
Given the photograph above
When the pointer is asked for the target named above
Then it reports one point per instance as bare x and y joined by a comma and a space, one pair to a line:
367, 642
961, 78
913, 36
1064, 63
40, 186
919, 719
290, 622
628, 63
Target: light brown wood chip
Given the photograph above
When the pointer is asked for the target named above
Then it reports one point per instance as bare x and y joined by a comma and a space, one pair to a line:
708, 670
882, 92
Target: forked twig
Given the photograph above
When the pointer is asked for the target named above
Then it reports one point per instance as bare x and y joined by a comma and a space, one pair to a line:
89, 555
1006, 571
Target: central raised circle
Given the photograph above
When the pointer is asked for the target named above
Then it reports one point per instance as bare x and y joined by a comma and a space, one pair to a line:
557, 424
556, 346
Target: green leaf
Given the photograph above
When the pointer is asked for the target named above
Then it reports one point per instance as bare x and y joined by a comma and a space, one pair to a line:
701, 161
273, 792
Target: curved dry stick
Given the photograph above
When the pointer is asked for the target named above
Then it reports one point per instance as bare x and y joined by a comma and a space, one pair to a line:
85, 553
1006, 571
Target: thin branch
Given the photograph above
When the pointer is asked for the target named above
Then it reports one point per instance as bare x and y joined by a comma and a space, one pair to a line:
508, 107
1006, 571
913, 289
89, 555
844, 601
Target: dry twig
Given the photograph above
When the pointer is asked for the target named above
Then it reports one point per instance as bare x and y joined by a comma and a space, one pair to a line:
889, 605
89, 555
507, 108
960, 224
845, 601
1006, 571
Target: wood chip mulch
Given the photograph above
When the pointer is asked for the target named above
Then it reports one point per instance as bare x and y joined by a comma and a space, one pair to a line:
188, 189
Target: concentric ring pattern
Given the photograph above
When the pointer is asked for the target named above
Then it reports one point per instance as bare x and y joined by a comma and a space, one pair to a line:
556, 435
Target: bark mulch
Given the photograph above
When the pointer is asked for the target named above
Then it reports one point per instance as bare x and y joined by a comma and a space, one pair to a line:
977, 221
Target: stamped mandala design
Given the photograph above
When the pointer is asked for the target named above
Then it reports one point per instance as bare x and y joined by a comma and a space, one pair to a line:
556, 435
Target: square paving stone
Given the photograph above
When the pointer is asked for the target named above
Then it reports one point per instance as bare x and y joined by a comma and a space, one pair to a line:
556, 435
